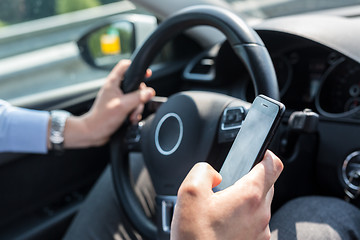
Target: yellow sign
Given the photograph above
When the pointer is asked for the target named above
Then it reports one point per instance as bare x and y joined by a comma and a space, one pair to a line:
110, 44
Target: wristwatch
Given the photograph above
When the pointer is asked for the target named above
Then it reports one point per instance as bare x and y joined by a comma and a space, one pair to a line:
58, 120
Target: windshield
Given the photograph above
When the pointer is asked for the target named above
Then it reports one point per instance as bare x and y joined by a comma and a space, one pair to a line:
276, 8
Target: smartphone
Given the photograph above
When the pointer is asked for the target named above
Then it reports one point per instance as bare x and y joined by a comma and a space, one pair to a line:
252, 139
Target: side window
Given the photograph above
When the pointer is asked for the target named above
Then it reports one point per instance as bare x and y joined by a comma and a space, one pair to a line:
18, 11
38, 51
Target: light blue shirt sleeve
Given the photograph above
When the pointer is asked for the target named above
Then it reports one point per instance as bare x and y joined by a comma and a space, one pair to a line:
22, 130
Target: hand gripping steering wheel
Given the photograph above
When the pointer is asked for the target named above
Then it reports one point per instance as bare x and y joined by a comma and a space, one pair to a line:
185, 129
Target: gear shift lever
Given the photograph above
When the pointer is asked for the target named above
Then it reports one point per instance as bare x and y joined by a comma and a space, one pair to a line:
300, 122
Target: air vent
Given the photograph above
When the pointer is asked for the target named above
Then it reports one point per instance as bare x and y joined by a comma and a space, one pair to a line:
201, 68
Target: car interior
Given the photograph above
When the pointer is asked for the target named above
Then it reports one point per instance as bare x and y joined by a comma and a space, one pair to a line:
209, 61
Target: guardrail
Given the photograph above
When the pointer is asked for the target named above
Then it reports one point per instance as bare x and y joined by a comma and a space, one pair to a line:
42, 55
32, 35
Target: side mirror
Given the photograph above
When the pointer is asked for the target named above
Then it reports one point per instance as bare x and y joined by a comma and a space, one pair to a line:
110, 42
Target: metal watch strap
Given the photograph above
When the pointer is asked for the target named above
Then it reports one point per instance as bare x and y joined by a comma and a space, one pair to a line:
58, 120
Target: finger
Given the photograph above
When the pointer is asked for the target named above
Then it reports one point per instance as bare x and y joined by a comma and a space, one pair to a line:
201, 179
267, 171
262, 213
268, 200
148, 73
131, 100
117, 73
142, 86
266, 234
264, 174
135, 116
270, 195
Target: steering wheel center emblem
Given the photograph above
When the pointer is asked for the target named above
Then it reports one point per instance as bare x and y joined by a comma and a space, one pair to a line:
168, 133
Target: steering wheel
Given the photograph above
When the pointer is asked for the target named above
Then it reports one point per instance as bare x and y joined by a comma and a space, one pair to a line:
190, 126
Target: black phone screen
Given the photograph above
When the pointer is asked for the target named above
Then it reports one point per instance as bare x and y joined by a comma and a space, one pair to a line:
252, 140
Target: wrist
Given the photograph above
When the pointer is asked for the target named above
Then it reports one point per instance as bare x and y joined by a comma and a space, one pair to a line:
82, 131
76, 133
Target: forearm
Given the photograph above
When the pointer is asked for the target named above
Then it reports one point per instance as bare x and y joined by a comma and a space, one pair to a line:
36, 132
77, 133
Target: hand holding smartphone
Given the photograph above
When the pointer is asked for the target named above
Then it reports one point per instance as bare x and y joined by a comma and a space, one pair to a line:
252, 140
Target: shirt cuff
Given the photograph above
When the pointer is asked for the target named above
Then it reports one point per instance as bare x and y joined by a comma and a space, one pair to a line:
25, 130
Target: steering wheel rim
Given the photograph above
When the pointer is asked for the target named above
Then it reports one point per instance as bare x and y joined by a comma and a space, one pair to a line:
246, 44
244, 40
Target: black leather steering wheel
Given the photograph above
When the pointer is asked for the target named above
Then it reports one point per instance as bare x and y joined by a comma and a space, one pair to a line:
186, 129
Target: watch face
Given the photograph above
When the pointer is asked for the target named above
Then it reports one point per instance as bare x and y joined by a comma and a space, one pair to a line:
58, 119
56, 139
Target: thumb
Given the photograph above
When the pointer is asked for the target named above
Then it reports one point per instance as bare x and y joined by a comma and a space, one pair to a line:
200, 180
117, 73
264, 174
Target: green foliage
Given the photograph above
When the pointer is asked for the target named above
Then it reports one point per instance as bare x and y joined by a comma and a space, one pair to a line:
2, 23
65, 6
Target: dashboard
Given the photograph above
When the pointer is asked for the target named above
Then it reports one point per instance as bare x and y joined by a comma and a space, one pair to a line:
317, 63
311, 74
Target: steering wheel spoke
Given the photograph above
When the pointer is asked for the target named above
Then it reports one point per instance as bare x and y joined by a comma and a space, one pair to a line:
133, 131
166, 206
153, 105
133, 137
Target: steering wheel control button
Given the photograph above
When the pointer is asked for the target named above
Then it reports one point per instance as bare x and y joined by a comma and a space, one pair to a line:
232, 118
169, 133
351, 171
231, 123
